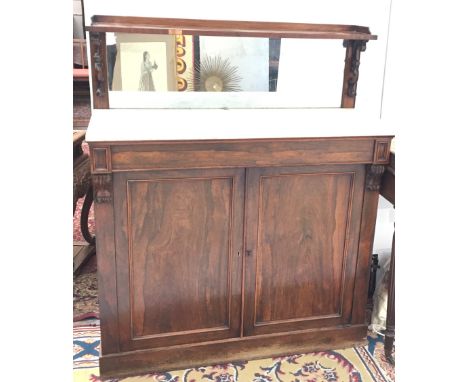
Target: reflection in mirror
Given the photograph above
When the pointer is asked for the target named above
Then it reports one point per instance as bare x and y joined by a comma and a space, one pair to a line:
311, 70
139, 62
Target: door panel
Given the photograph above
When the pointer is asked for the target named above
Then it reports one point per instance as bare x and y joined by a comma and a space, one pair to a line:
301, 248
179, 275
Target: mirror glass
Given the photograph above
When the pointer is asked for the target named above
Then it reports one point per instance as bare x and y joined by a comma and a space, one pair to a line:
185, 71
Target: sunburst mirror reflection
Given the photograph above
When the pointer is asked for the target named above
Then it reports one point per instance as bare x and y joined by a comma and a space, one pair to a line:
215, 74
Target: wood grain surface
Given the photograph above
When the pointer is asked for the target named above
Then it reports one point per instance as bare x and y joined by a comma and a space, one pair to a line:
231, 350
179, 244
227, 28
219, 251
246, 153
300, 229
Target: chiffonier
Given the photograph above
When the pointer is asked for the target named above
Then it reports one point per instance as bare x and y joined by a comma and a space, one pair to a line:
217, 245
235, 239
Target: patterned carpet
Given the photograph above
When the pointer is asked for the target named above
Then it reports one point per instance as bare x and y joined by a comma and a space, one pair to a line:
85, 292
359, 364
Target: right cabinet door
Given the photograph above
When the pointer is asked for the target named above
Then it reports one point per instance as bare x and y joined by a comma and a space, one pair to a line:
302, 233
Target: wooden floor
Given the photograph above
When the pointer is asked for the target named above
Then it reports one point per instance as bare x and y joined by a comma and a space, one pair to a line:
81, 252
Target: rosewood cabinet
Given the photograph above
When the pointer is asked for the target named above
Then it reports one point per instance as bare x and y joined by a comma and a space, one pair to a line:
216, 250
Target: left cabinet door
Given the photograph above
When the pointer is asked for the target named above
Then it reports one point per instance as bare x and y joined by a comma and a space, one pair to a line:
179, 238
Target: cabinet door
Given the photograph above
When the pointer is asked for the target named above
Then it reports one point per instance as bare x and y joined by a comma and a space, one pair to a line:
179, 237
302, 231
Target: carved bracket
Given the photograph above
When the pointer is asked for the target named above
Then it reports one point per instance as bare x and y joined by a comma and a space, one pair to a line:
357, 46
374, 176
102, 186
97, 59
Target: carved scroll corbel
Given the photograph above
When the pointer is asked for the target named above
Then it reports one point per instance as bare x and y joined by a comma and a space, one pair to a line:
374, 176
102, 186
97, 59
356, 46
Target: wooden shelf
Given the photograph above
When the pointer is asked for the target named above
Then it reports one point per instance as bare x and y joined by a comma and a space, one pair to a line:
228, 28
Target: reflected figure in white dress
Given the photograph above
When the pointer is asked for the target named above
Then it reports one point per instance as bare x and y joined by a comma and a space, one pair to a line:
146, 78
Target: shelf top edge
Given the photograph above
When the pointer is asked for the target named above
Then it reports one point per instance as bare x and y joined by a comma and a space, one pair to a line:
119, 125
228, 28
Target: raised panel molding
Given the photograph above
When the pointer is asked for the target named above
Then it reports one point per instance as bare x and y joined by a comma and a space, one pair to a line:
101, 160
178, 236
161, 212
300, 272
381, 151
311, 215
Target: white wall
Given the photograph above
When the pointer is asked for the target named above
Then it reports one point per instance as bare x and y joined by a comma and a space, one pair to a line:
384, 229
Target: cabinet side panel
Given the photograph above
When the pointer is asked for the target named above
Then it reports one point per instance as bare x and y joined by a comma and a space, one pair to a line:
366, 240
303, 222
105, 253
179, 254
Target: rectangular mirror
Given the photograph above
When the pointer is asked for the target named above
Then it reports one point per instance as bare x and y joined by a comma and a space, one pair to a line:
189, 71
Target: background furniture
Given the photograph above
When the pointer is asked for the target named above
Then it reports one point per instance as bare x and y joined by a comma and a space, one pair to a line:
82, 188
81, 88
81, 168
80, 69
